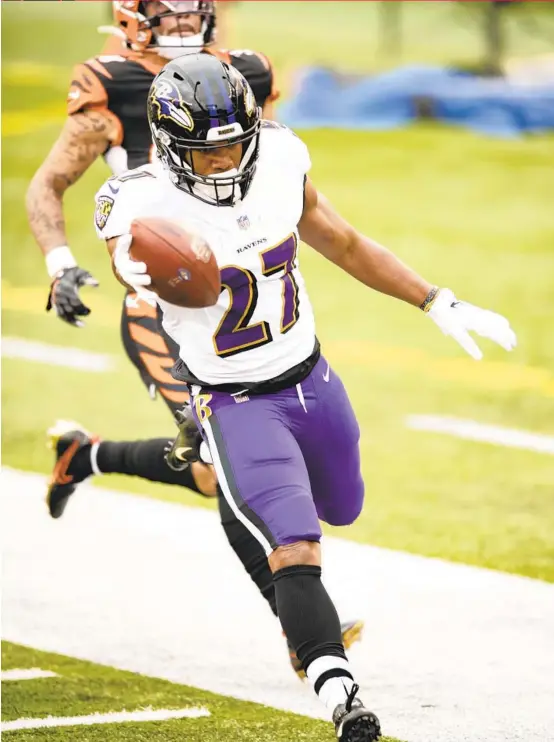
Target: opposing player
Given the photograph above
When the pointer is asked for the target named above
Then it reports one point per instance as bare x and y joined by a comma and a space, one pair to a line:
224, 8
107, 117
276, 418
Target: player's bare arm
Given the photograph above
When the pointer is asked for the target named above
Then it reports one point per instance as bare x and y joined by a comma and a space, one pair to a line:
84, 137
326, 231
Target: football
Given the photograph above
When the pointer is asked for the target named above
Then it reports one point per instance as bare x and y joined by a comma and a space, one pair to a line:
183, 268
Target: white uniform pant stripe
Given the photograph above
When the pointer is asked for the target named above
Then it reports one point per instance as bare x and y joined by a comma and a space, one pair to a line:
258, 535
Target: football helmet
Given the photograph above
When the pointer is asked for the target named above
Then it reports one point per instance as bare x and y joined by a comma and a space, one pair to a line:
198, 102
137, 29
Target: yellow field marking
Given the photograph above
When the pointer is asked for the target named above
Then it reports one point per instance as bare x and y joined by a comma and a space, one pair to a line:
106, 312
32, 74
16, 123
484, 375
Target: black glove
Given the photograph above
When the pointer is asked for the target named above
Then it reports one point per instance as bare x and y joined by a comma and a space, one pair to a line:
64, 295
185, 449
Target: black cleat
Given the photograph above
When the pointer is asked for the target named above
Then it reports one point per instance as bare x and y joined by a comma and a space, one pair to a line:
66, 439
353, 722
351, 632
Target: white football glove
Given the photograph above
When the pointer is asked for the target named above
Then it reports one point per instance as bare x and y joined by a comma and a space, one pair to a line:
458, 318
133, 272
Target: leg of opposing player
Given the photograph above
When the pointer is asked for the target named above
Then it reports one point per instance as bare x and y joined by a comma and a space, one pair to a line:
80, 454
264, 478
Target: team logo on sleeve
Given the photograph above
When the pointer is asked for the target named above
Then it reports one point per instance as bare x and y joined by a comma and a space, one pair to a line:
168, 101
104, 206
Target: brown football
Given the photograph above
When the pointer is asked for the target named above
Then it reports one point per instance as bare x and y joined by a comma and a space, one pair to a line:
182, 266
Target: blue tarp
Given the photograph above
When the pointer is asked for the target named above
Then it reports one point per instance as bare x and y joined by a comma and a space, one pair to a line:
393, 99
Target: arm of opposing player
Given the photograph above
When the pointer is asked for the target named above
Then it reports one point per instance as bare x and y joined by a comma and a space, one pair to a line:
326, 231
84, 137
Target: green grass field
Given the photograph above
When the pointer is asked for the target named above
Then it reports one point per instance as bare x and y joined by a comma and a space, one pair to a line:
83, 688
469, 212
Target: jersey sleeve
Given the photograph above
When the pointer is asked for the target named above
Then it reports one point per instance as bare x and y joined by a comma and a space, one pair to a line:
87, 89
112, 216
120, 200
302, 154
288, 146
257, 69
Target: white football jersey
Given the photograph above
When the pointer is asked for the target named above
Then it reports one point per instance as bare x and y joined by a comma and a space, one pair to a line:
263, 322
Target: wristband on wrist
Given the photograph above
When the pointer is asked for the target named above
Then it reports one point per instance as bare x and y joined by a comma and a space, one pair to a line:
429, 299
58, 259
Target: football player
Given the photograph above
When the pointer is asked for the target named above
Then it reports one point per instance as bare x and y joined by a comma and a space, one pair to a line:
107, 117
268, 405
113, 44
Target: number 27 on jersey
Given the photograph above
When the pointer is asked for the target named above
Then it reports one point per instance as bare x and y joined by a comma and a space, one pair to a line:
235, 334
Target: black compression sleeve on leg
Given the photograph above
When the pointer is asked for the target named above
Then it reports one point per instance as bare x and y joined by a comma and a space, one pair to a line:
143, 459
307, 614
248, 550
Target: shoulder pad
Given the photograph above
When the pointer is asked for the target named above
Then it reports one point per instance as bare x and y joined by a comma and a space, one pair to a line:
144, 171
287, 146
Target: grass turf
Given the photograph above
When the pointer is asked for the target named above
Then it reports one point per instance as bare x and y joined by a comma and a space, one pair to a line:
467, 211
84, 688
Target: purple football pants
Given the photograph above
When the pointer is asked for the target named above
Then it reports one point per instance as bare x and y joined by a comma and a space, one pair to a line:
286, 460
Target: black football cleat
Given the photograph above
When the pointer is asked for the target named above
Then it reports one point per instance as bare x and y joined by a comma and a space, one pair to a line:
351, 632
353, 722
66, 439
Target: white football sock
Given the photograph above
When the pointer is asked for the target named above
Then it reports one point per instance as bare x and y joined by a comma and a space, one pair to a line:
335, 690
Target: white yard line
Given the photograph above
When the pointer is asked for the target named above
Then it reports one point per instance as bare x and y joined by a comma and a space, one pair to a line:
450, 654
56, 355
31, 673
474, 431
112, 717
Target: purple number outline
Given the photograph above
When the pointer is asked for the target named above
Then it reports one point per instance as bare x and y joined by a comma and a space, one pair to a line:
243, 300
283, 257
244, 297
